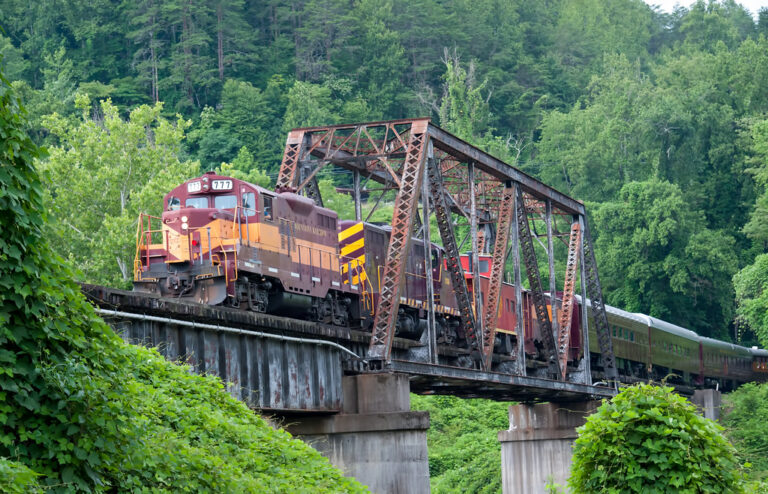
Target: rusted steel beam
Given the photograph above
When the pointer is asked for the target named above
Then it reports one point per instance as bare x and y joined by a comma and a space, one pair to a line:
356, 146
551, 258
429, 278
475, 267
520, 324
599, 314
497, 272
458, 280
586, 356
534, 280
569, 287
291, 157
312, 189
406, 203
502, 171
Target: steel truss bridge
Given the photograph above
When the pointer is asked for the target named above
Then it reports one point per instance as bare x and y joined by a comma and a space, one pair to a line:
434, 178
435, 175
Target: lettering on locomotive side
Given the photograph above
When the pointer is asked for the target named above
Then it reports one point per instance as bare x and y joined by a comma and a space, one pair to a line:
310, 229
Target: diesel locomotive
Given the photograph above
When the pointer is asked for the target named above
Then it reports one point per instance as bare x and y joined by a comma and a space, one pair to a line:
221, 240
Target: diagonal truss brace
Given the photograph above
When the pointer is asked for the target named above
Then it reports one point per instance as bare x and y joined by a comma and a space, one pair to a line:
497, 270
294, 147
595, 293
569, 287
312, 189
534, 279
406, 203
458, 280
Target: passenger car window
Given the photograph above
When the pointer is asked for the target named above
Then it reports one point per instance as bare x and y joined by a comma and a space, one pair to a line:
197, 202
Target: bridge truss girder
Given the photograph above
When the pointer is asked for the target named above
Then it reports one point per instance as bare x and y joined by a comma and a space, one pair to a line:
466, 186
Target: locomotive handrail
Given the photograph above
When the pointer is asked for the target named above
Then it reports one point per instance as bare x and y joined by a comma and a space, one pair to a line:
366, 294
143, 234
238, 221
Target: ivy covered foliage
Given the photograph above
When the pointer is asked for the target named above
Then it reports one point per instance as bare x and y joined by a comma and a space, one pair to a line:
648, 439
82, 411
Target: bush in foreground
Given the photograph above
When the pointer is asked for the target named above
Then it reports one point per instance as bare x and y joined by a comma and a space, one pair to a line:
648, 439
82, 411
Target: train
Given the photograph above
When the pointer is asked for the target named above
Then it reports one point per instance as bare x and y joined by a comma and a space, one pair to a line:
224, 241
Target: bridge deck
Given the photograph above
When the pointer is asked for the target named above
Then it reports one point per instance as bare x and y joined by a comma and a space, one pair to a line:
208, 343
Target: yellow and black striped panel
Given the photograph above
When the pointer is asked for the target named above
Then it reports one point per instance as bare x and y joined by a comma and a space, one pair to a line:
352, 254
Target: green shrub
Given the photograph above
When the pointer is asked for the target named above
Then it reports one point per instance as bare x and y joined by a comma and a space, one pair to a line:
87, 412
15, 478
649, 440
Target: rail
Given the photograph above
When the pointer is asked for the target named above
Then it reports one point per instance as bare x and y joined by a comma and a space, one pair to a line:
224, 329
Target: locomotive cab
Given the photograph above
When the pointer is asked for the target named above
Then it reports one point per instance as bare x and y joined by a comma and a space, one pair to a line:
187, 252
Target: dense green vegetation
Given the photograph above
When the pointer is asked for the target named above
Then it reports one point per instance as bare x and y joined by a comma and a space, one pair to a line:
659, 121
464, 452
647, 439
745, 419
611, 101
80, 410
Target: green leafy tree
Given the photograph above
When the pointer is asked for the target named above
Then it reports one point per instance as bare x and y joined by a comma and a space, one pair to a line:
102, 175
246, 116
244, 167
656, 256
751, 286
12, 60
647, 439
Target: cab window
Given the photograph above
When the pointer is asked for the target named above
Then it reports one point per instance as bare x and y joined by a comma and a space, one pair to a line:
196, 202
249, 203
267, 207
225, 202
174, 203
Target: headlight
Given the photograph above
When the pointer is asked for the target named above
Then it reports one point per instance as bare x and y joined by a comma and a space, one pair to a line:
184, 219
184, 226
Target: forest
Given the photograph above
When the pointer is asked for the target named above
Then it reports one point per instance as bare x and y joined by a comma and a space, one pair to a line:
658, 121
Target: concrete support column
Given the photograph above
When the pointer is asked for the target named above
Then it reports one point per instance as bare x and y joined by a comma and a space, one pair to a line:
537, 448
376, 438
708, 401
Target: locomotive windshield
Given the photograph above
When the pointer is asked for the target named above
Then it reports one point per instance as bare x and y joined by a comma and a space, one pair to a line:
196, 202
174, 203
225, 202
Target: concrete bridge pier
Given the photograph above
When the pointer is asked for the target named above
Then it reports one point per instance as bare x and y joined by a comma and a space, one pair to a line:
708, 401
376, 438
537, 448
